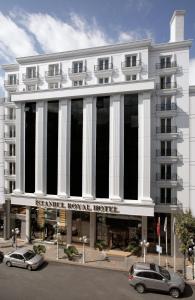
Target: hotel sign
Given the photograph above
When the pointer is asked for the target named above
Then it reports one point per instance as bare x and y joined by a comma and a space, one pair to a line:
78, 206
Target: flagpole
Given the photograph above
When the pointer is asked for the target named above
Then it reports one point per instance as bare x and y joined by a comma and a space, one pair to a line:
159, 242
174, 246
166, 244
166, 250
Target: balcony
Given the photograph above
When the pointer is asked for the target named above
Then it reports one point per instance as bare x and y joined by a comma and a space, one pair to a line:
168, 180
10, 120
167, 88
103, 70
9, 176
128, 69
167, 132
9, 156
31, 79
166, 109
167, 68
53, 77
11, 86
77, 74
10, 138
170, 155
171, 201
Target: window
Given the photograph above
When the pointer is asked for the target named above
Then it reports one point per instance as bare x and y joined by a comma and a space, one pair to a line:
12, 168
165, 171
165, 82
31, 72
103, 63
12, 131
130, 61
12, 149
131, 77
77, 82
12, 185
77, 67
165, 195
103, 80
54, 70
31, 88
165, 62
53, 85
166, 103
165, 124
165, 148
12, 79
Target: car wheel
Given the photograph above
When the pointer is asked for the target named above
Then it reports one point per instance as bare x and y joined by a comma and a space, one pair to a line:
140, 288
29, 267
8, 263
175, 293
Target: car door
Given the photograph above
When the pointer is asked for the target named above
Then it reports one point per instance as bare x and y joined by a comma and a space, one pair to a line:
14, 259
159, 283
20, 261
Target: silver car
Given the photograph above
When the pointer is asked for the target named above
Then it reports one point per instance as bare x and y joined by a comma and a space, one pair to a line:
144, 276
23, 258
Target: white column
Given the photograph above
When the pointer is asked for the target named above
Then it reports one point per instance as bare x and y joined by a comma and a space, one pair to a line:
92, 234
89, 147
144, 147
116, 155
41, 148
28, 223
20, 148
64, 148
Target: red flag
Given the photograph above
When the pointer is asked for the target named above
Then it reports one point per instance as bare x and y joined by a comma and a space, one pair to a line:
158, 227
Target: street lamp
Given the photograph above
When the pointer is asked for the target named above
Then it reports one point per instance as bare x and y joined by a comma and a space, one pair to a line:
84, 240
144, 245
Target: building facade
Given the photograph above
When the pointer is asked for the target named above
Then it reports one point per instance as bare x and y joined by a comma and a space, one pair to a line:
100, 141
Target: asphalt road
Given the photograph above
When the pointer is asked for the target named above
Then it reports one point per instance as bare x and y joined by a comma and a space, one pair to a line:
61, 281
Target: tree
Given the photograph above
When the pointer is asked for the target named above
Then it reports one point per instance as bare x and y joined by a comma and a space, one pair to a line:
185, 222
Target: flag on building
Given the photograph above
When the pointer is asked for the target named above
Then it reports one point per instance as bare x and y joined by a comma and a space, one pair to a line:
165, 225
158, 227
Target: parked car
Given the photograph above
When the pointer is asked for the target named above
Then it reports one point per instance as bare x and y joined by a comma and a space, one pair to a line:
145, 276
23, 258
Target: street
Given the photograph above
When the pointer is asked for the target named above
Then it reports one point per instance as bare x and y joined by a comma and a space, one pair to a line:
62, 281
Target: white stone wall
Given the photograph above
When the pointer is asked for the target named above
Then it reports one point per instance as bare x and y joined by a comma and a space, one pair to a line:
192, 151
2, 150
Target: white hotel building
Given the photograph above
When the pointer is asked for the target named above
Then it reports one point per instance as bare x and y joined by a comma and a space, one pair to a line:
100, 141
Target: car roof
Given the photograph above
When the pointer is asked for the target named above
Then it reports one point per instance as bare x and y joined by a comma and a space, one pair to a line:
144, 266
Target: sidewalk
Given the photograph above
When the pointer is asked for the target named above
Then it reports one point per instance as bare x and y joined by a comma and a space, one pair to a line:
95, 258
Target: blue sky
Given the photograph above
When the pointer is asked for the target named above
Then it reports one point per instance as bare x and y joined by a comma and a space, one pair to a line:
43, 26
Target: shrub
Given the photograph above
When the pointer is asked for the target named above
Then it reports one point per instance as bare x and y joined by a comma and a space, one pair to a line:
101, 245
71, 252
39, 249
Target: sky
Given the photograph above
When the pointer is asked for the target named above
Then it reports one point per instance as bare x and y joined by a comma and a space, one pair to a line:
30, 27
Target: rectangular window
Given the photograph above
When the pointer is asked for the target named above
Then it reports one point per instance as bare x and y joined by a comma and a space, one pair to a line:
165, 62
77, 82
31, 88
30, 129
165, 148
12, 79
52, 147
165, 124
31, 72
53, 85
131, 77
54, 70
103, 63
131, 146
165, 195
12, 186
165, 82
130, 61
77, 67
76, 147
103, 80
165, 171
102, 147
166, 103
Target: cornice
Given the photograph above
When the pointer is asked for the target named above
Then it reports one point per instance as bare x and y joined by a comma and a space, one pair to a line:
83, 52
171, 46
10, 67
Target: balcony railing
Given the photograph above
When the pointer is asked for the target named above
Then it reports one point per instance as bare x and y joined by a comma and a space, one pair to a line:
166, 129
167, 177
11, 83
9, 136
167, 65
170, 201
166, 85
166, 107
30, 76
105, 67
77, 71
52, 73
167, 152
10, 118
8, 153
8, 173
126, 64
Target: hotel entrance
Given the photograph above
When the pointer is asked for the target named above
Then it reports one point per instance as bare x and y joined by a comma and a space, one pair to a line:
118, 232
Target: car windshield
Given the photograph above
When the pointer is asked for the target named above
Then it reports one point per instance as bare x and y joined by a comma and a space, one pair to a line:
164, 273
29, 254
